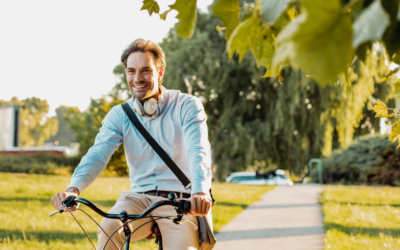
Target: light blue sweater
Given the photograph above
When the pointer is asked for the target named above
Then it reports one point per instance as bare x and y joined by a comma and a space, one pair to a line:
179, 127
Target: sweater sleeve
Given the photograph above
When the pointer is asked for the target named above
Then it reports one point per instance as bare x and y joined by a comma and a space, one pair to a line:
107, 141
197, 146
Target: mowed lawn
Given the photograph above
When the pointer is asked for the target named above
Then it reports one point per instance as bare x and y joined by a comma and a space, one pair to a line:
25, 206
361, 217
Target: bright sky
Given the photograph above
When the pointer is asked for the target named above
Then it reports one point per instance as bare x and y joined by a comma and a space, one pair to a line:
65, 51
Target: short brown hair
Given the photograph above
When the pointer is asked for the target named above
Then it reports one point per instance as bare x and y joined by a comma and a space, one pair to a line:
145, 46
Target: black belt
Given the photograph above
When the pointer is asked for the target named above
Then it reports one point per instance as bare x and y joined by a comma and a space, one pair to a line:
166, 193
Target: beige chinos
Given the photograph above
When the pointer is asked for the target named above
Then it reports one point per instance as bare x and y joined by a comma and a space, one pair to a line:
174, 237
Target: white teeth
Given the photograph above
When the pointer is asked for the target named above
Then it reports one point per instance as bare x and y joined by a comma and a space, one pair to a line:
139, 86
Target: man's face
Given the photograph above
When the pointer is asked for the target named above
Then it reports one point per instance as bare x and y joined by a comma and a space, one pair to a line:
142, 75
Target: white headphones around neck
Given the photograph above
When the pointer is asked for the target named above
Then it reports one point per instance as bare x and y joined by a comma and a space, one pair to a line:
149, 107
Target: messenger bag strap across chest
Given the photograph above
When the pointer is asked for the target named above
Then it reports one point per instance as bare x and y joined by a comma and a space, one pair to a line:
163, 155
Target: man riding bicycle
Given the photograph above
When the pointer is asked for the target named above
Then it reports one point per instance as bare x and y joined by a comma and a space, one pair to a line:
177, 122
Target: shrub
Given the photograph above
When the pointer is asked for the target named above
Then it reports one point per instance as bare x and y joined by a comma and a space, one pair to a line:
389, 169
360, 159
43, 163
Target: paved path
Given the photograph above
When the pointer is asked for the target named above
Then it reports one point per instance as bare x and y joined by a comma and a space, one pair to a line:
286, 218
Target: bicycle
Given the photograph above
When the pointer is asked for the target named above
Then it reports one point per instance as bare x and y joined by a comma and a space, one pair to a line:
181, 206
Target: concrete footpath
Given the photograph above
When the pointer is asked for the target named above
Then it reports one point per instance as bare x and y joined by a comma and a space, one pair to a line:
286, 218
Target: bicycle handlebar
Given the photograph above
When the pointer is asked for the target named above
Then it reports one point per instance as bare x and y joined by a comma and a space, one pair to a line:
181, 206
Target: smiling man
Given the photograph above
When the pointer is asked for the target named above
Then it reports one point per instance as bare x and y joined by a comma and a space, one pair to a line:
177, 122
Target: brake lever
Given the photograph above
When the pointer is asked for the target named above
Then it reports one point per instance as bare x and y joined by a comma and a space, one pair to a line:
67, 202
190, 223
180, 221
57, 211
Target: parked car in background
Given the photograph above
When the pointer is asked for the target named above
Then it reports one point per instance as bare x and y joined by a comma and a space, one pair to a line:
276, 177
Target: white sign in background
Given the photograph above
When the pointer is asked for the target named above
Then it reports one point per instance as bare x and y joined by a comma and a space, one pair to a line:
7, 127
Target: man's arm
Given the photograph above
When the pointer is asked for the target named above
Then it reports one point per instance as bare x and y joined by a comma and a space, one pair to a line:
93, 163
198, 153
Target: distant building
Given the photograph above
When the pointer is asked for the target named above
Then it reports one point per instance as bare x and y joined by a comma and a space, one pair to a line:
9, 122
56, 150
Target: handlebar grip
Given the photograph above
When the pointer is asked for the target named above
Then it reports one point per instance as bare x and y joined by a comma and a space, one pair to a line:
187, 205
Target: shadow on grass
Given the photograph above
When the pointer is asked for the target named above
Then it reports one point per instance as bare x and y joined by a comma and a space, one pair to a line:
374, 232
47, 236
360, 204
285, 206
105, 203
231, 204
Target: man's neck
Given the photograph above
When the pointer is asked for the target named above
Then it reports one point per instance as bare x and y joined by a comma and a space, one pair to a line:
156, 96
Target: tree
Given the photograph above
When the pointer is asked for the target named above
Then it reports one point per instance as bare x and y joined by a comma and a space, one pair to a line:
263, 122
65, 134
34, 126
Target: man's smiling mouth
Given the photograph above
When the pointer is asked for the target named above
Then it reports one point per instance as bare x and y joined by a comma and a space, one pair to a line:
139, 86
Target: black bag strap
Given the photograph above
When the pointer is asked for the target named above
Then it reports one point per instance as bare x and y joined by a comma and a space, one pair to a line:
170, 163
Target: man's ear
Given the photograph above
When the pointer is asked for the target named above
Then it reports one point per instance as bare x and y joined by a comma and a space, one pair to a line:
160, 73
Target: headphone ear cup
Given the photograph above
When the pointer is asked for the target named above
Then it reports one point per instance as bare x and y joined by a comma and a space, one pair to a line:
150, 106
138, 107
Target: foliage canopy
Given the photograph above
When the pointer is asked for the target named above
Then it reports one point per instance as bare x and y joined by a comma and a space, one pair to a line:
320, 37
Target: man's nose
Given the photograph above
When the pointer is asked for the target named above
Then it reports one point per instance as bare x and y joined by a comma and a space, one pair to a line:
138, 77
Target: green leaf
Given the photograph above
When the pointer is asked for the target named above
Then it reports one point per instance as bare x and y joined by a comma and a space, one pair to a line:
395, 132
163, 16
263, 50
151, 6
246, 13
239, 41
321, 40
282, 56
228, 12
272, 9
291, 13
389, 115
187, 15
370, 25
381, 109
397, 87
285, 45
260, 43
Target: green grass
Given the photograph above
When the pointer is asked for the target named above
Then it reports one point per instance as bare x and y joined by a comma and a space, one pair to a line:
361, 217
25, 207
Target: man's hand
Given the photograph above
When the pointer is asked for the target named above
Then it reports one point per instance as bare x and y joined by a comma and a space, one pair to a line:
200, 204
58, 197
